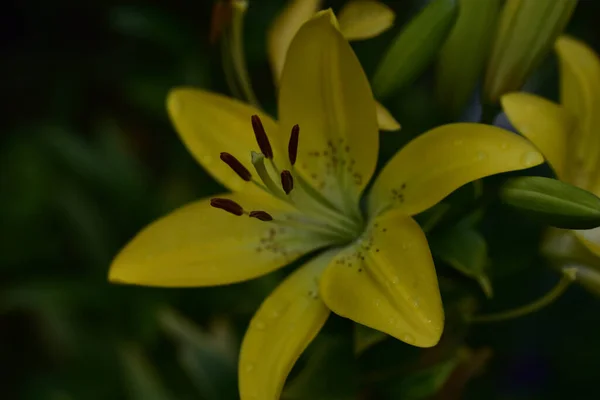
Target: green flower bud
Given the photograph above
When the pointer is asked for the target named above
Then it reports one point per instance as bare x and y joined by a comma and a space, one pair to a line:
525, 33
553, 202
463, 55
414, 47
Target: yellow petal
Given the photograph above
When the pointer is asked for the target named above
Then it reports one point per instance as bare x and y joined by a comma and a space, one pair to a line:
198, 245
543, 122
385, 120
283, 30
210, 123
591, 239
326, 92
440, 161
580, 94
287, 321
387, 281
364, 19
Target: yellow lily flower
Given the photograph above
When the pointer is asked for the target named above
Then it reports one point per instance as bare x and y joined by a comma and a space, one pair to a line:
374, 268
567, 134
358, 20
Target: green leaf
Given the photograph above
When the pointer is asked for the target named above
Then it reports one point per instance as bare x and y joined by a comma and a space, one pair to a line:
365, 337
525, 33
414, 47
553, 202
463, 55
142, 380
465, 250
209, 359
424, 383
330, 371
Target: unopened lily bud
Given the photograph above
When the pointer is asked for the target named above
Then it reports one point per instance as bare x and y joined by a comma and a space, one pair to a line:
525, 34
553, 202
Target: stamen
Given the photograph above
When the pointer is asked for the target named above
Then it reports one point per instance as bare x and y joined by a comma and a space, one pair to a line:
261, 137
293, 144
227, 205
261, 215
287, 181
236, 166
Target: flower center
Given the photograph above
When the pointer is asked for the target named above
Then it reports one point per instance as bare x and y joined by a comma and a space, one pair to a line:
312, 210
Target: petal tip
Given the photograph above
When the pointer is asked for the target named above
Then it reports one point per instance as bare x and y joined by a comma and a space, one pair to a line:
329, 16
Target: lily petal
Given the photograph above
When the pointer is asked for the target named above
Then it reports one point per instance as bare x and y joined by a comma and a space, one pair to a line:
385, 119
364, 19
283, 30
580, 94
326, 92
210, 123
443, 159
545, 123
387, 281
198, 245
287, 321
591, 239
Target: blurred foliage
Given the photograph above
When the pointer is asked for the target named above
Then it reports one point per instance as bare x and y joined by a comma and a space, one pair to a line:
88, 157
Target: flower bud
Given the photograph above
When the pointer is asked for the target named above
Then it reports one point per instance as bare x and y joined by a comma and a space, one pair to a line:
525, 33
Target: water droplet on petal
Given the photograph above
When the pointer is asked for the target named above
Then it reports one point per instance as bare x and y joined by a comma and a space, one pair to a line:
395, 280
416, 302
376, 302
481, 155
258, 324
249, 367
504, 146
206, 159
429, 322
531, 158
408, 338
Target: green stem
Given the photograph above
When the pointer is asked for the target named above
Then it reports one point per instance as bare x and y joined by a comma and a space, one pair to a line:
545, 300
228, 69
236, 47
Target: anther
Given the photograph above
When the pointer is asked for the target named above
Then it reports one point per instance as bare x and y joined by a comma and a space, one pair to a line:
293, 144
287, 181
236, 166
227, 205
262, 215
261, 137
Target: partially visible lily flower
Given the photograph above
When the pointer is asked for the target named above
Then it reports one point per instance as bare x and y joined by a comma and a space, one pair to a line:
358, 20
301, 195
567, 134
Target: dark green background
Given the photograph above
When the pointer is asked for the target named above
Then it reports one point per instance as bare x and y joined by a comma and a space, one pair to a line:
88, 157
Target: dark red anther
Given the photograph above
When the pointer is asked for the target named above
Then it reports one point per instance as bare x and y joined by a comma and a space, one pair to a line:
228, 205
236, 166
262, 215
287, 181
261, 137
293, 144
